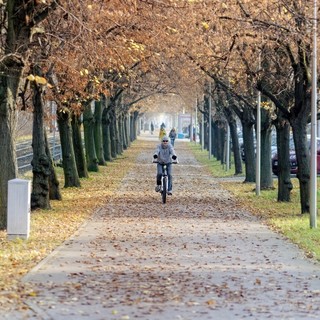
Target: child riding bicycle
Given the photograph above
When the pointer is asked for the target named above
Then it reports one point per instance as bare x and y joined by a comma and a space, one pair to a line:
164, 154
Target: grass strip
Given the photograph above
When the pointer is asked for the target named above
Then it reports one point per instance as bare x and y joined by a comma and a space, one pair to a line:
283, 217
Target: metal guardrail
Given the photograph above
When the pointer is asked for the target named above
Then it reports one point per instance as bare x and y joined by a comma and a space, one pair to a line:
24, 160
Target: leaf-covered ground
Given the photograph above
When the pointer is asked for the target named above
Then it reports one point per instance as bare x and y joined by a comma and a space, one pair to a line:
199, 256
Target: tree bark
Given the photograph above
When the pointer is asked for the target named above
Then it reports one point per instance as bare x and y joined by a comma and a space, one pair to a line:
8, 122
71, 177
113, 133
266, 179
230, 116
127, 130
132, 124
106, 135
119, 135
78, 147
135, 125
299, 130
98, 137
88, 124
54, 184
248, 142
124, 133
41, 162
283, 145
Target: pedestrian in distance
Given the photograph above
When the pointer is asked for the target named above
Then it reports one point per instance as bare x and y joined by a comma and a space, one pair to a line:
164, 154
152, 127
162, 133
172, 136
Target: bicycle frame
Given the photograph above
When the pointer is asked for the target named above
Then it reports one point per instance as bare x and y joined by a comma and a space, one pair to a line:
164, 180
164, 183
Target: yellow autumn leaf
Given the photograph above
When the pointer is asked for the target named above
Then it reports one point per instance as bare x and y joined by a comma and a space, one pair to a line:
173, 30
96, 80
205, 25
33, 294
211, 302
40, 80
30, 77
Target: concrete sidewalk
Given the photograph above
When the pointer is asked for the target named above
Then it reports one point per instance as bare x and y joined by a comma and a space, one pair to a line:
197, 257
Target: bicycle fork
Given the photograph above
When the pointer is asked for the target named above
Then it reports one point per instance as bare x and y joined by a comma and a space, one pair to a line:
164, 179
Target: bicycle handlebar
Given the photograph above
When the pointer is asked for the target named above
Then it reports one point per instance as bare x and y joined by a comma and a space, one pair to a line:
173, 162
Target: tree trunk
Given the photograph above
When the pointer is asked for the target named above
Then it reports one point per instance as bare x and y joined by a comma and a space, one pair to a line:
113, 133
299, 120
132, 124
230, 116
283, 145
299, 130
71, 177
214, 140
135, 124
222, 138
119, 135
78, 147
98, 138
8, 121
248, 142
41, 162
127, 130
106, 135
124, 133
206, 122
88, 125
266, 180
54, 189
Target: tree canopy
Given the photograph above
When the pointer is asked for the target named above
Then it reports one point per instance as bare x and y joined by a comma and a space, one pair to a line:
137, 51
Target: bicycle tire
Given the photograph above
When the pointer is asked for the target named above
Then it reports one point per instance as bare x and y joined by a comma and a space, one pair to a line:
164, 189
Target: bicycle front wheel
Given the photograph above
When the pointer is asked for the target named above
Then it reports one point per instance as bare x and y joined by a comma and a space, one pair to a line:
164, 189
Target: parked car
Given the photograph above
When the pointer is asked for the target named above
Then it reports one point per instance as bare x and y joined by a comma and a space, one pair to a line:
293, 161
273, 151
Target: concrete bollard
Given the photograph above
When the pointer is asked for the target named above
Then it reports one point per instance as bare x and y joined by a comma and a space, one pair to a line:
18, 213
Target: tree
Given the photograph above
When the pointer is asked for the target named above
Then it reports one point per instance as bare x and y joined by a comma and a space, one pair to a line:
19, 21
41, 163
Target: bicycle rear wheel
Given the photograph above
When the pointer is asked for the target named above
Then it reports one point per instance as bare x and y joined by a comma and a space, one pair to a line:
164, 189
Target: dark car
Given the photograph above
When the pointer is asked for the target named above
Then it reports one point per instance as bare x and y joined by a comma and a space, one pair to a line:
293, 161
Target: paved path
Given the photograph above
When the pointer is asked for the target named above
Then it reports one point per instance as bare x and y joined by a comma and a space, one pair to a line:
197, 257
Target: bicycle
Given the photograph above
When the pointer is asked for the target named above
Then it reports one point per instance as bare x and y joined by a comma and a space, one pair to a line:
164, 180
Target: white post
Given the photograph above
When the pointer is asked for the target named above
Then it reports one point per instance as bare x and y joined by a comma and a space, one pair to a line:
258, 146
313, 169
18, 212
